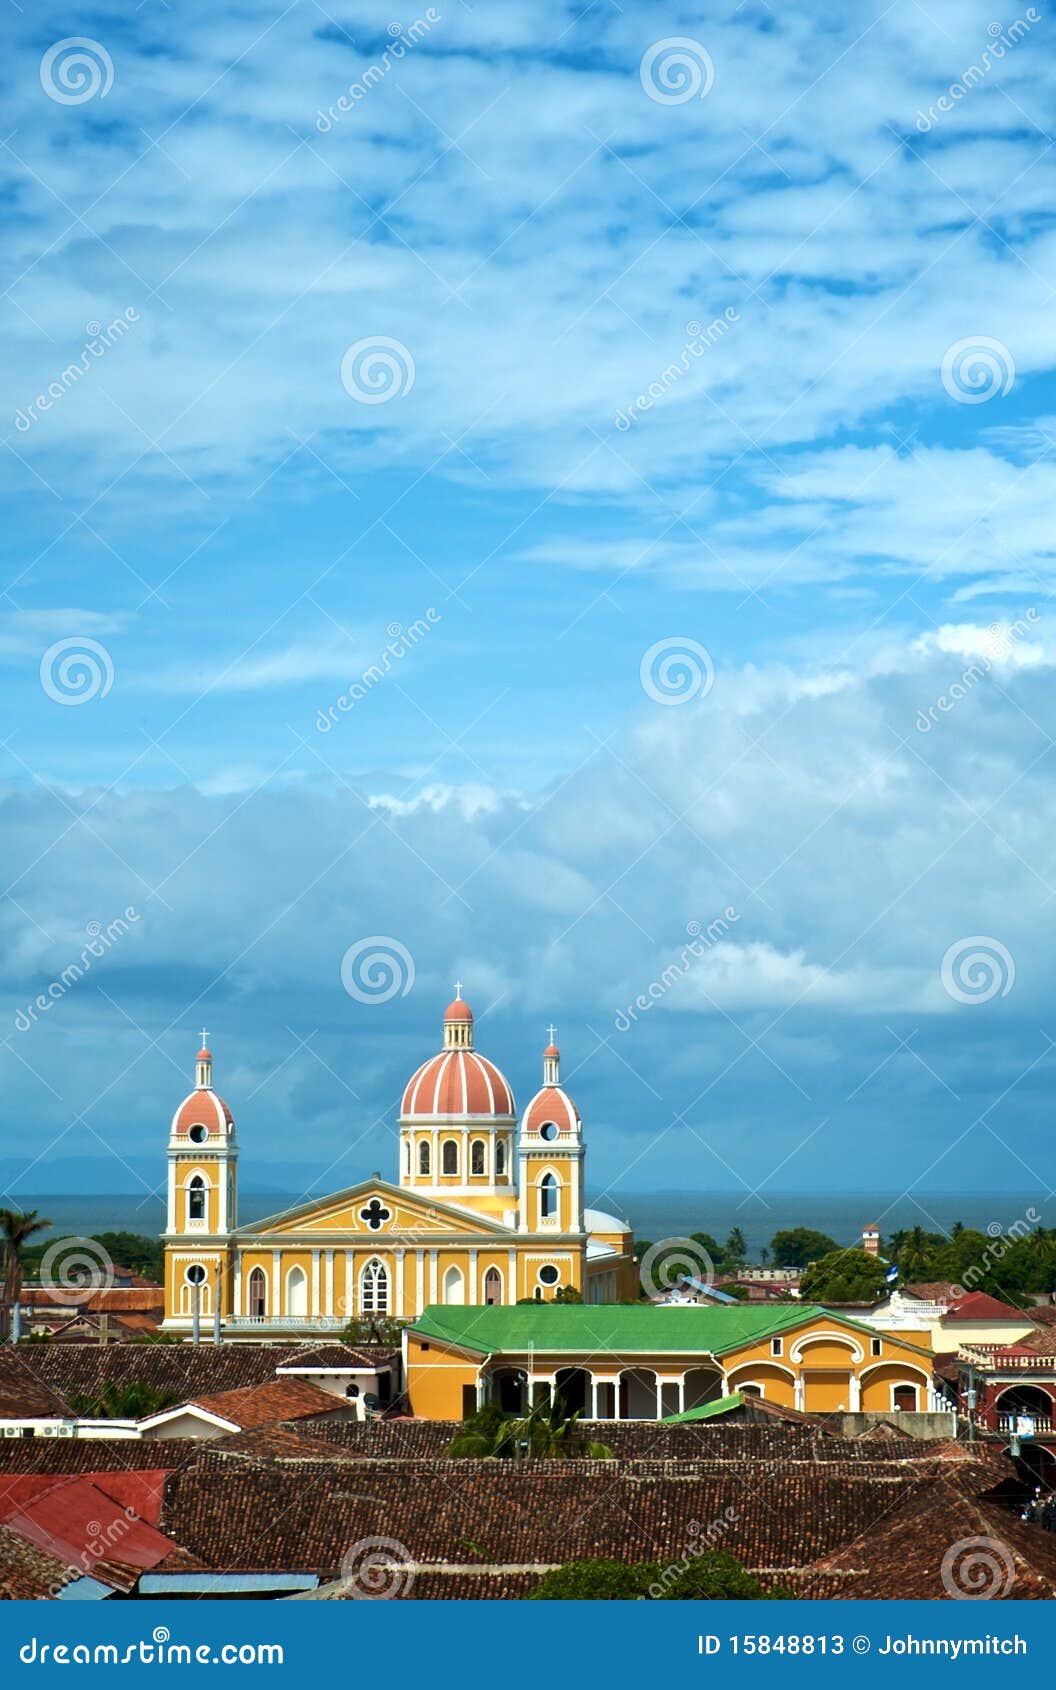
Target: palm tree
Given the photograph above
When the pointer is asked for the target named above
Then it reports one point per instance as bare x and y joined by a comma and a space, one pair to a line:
546, 1432
16, 1229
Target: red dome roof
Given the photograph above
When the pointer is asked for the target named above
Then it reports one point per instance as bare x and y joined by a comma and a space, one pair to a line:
202, 1108
458, 1082
458, 1011
551, 1104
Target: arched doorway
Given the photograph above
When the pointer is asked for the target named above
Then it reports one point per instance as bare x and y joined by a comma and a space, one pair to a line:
638, 1394
1024, 1401
297, 1293
573, 1386
258, 1294
509, 1388
702, 1384
493, 1286
454, 1286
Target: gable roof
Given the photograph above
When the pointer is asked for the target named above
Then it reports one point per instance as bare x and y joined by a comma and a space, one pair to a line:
616, 1328
978, 1305
263, 1405
468, 1220
75, 1519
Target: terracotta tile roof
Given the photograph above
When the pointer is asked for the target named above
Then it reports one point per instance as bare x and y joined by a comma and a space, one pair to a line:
93, 1456
978, 1305
179, 1369
278, 1443
340, 1356
28, 1573
22, 1392
275, 1400
905, 1555
113, 1298
932, 1291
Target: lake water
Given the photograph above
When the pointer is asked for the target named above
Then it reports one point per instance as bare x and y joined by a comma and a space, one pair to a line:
654, 1215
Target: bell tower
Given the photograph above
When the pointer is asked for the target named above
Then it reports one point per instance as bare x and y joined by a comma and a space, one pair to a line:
550, 1156
202, 1200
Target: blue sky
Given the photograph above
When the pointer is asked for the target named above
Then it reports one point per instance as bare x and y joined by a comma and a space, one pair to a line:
840, 490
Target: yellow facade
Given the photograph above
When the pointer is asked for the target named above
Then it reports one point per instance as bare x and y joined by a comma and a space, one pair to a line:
821, 1366
486, 1210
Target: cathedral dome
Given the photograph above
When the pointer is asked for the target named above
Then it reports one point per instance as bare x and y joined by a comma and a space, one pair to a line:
551, 1106
458, 1081
203, 1115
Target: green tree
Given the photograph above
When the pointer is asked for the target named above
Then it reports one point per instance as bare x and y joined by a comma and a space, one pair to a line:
132, 1401
798, 1245
735, 1249
546, 1432
16, 1229
713, 1575
844, 1276
568, 1294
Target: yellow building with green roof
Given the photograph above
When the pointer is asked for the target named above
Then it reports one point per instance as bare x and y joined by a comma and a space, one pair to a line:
649, 1361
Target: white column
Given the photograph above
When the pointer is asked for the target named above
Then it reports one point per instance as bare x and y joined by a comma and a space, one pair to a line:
432, 1277
682, 1394
276, 1282
856, 1393
350, 1287
313, 1303
511, 1283
236, 1290
465, 1156
474, 1288
328, 1282
419, 1276
399, 1309
170, 1223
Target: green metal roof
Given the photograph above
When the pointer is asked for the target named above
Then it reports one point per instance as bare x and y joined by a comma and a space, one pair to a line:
705, 1410
617, 1328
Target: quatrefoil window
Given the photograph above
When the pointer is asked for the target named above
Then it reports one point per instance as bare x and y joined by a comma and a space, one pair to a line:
375, 1214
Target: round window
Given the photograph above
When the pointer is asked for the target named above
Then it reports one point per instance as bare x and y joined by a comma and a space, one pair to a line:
198, 1134
195, 1274
549, 1131
548, 1275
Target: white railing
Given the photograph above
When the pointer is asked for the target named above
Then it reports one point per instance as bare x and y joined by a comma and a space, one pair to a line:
1010, 1422
299, 1322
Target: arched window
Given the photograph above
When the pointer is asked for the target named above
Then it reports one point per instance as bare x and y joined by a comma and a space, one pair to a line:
454, 1286
374, 1288
493, 1286
196, 1198
476, 1156
423, 1156
500, 1158
297, 1293
258, 1294
449, 1157
548, 1197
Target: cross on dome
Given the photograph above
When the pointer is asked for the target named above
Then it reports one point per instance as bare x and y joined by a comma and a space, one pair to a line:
458, 988
552, 1031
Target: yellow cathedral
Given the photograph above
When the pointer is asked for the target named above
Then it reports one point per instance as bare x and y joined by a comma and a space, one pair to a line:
487, 1208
